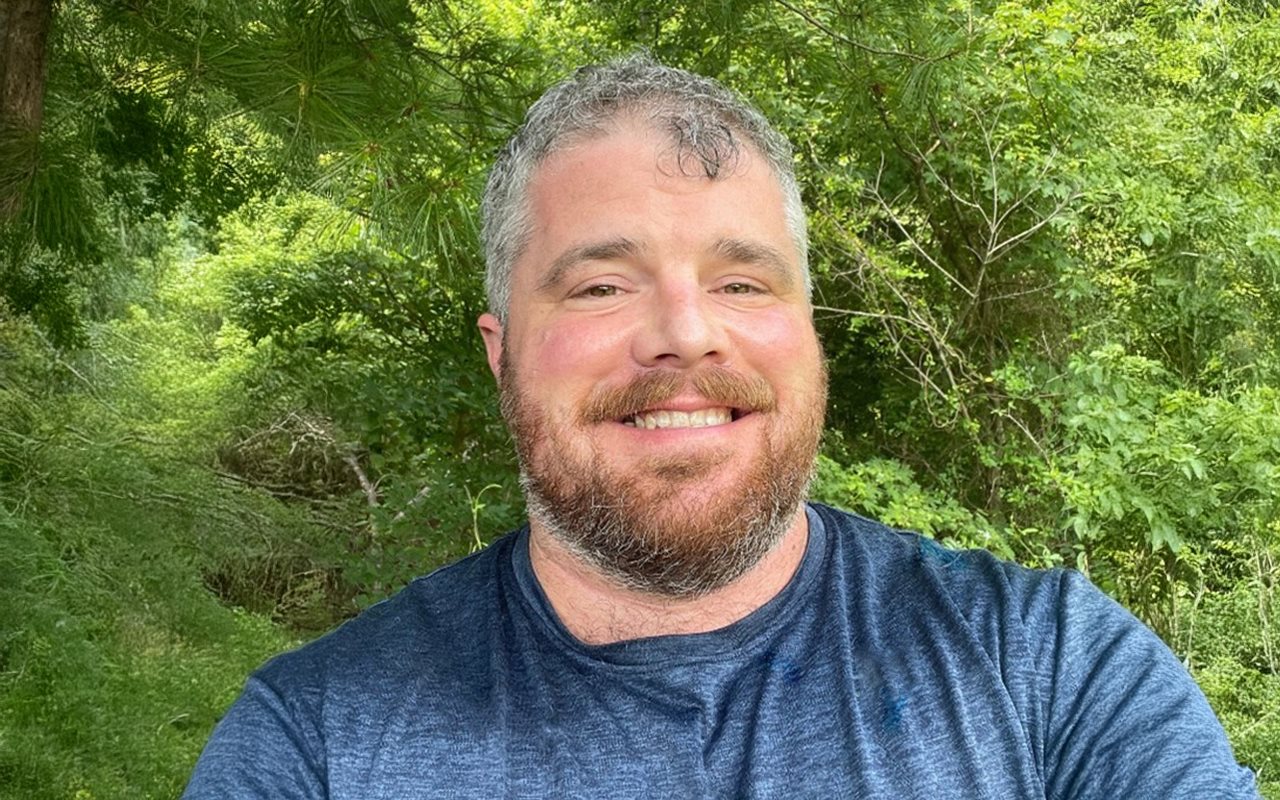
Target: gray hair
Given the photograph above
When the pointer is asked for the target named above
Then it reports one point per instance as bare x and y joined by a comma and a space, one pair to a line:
705, 121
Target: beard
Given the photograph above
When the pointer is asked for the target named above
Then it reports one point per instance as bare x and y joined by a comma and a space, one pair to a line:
652, 530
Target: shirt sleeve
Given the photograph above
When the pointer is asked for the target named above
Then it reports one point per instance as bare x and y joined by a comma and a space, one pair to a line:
1123, 716
260, 750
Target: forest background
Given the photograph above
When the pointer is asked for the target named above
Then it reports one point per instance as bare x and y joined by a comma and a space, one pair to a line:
242, 395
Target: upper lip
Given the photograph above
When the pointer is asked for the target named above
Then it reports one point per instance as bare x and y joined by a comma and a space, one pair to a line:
687, 404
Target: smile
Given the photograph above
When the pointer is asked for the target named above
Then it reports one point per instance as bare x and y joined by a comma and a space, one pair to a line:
704, 418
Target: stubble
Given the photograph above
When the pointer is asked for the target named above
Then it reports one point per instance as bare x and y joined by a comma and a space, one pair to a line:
652, 530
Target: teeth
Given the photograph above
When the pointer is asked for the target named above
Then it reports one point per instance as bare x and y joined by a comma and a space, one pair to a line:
653, 420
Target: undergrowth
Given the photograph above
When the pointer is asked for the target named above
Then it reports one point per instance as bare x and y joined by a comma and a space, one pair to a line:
138, 588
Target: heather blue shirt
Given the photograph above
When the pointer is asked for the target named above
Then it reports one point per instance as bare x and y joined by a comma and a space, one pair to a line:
888, 667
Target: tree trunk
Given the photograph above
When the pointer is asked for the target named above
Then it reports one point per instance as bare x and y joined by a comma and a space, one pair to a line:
24, 33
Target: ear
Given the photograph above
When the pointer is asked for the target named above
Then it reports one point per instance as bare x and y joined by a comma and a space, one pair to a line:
491, 330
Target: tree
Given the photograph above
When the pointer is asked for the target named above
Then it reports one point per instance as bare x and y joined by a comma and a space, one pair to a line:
24, 32
380, 105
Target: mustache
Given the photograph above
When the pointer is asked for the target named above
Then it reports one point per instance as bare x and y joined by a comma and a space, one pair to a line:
722, 387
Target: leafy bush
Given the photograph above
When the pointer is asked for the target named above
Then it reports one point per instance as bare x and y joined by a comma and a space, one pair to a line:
887, 491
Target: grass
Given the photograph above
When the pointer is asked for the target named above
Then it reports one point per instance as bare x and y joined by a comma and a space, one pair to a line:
116, 658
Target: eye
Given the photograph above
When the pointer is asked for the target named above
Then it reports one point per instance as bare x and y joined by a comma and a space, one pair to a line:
598, 290
738, 287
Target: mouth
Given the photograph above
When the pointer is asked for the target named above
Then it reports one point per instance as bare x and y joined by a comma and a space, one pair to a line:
666, 419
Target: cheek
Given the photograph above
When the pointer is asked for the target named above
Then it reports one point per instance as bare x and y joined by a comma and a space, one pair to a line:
577, 351
779, 343
785, 352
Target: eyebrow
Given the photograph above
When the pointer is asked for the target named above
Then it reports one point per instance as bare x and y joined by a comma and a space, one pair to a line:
620, 247
741, 251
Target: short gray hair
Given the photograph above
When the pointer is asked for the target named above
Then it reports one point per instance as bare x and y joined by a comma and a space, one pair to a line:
705, 120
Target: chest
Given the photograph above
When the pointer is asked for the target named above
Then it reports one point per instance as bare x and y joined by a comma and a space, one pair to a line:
832, 719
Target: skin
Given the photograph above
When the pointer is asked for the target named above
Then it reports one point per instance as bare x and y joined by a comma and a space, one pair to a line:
634, 267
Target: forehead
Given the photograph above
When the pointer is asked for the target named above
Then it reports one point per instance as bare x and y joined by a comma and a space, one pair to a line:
637, 182
659, 145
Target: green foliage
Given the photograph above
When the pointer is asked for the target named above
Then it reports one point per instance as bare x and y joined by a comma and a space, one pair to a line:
379, 352
1246, 702
1140, 475
241, 392
384, 106
1174, 464
1233, 644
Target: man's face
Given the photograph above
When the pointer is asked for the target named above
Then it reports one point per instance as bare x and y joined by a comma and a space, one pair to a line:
659, 366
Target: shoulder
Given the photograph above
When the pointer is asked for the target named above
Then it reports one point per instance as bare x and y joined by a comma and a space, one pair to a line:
1011, 619
1107, 708
437, 618
974, 582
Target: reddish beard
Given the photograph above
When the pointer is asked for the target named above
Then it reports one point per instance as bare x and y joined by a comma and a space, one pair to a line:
645, 531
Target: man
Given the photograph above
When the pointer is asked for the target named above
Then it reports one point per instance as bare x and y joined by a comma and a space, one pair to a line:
675, 621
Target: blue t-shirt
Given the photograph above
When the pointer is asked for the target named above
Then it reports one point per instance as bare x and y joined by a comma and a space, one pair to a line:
888, 667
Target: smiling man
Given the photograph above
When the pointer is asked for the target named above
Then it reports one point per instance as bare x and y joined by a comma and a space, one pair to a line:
660, 372
675, 621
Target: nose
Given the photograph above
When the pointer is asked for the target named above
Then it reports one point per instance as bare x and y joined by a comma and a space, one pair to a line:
681, 329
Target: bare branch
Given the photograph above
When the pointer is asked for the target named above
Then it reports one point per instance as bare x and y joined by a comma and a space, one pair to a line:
1000, 248
874, 191
877, 315
417, 498
370, 491
1044, 287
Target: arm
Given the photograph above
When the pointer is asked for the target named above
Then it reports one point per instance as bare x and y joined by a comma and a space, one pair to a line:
1123, 717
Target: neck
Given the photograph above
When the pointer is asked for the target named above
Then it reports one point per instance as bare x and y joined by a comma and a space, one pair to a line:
598, 611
